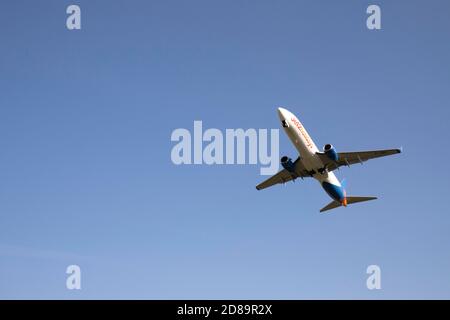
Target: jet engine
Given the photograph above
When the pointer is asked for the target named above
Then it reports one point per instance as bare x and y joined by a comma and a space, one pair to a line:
331, 153
287, 164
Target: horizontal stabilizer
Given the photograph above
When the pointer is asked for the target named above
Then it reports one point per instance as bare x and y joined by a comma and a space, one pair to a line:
335, 204
359, 199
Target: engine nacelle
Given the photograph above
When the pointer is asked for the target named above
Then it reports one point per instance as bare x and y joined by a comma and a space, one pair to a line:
287, 164
331, 153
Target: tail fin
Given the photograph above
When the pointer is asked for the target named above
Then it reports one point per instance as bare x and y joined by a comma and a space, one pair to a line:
350, 199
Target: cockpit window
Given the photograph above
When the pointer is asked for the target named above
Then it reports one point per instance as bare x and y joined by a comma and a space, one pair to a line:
285, 124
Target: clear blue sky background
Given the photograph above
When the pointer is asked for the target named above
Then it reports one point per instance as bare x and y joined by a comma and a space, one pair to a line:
86, 176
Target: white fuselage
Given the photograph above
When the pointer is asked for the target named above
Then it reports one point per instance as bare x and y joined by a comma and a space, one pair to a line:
306, 147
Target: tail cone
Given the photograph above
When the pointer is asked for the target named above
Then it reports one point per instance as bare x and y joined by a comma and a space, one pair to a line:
344, 201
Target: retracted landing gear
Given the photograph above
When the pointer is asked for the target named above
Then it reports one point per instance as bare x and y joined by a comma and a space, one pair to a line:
323, 170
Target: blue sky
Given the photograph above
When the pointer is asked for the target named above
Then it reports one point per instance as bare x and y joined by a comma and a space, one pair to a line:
85, 169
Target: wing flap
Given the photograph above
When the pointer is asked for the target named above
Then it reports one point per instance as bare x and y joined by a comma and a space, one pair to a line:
281, 177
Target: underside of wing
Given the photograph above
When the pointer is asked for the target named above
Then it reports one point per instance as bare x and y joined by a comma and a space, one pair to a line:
284, 176
349, 158
281, 177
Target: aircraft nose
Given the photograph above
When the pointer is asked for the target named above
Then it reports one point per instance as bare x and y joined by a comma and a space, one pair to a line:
281, 113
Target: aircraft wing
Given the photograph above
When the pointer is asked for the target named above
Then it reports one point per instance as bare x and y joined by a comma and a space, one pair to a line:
349, 158
285, 176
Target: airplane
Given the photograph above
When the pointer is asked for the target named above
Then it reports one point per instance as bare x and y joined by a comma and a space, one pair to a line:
319, 164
